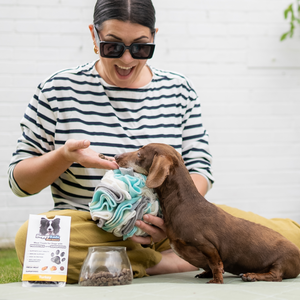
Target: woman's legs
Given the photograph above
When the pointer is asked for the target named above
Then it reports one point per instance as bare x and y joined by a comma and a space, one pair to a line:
144, 261
286, 227
170, 263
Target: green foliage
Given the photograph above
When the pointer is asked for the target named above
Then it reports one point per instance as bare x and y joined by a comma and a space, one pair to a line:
294, 19
10, 267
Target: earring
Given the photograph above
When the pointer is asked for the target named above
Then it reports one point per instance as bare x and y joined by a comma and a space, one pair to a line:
96, 50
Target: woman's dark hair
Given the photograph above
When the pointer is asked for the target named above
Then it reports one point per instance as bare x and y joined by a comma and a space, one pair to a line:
135, 11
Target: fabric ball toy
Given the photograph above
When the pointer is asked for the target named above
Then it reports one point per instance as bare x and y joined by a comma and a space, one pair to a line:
120, 199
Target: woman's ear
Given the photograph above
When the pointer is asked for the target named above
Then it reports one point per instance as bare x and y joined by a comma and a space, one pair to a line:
91, 28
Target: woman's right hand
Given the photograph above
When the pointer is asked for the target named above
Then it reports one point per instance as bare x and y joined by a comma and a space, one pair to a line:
79, 151
35, 173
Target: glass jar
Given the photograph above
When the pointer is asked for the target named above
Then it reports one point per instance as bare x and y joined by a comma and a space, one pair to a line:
105, 266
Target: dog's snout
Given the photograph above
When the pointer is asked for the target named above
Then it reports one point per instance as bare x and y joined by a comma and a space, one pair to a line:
120, 159
117, 157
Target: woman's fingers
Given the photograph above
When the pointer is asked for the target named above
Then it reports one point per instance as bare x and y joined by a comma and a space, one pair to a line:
158, 222
80, 152
108, 162
74, 145
109, 165
157, 232
141, 240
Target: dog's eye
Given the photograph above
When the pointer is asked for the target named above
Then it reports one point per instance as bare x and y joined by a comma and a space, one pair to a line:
139, 154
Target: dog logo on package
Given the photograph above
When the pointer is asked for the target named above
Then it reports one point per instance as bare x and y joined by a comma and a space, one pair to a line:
49, 229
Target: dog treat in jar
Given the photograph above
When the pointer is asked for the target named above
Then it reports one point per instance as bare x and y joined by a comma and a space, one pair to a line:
106, 266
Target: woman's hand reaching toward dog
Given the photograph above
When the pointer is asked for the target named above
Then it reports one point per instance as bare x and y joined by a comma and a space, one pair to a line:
36, 173
156, 229
79, 151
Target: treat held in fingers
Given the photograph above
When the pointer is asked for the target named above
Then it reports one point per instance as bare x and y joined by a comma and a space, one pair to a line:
102, 156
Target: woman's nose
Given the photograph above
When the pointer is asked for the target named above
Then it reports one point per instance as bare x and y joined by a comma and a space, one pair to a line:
126, 57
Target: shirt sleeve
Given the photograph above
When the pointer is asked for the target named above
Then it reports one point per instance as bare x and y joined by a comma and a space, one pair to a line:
38, 131
195, 139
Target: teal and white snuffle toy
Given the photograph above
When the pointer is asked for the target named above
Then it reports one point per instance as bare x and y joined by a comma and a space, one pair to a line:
121, 199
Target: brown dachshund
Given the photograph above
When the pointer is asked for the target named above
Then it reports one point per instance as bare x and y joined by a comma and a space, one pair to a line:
205, 235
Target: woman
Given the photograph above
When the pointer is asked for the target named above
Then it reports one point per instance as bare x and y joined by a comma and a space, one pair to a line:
115, 104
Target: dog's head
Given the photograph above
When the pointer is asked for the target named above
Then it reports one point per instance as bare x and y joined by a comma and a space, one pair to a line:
49, 227
154, 160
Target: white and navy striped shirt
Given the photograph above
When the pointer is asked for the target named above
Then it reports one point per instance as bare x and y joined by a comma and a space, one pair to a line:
78, 104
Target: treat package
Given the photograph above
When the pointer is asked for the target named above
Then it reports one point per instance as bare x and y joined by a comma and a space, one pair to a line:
46, 252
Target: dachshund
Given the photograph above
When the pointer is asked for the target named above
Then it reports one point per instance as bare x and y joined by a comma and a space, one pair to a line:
202, 233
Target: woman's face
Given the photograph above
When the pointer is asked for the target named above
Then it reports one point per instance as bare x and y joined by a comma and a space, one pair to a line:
124, 72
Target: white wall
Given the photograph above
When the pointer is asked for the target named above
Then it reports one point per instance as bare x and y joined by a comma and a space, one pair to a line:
248, 81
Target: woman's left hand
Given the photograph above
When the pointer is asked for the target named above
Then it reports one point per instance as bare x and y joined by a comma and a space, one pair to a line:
157, 232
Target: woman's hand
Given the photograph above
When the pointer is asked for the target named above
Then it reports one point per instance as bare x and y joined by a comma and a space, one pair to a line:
157, 232
36, 173
78, 151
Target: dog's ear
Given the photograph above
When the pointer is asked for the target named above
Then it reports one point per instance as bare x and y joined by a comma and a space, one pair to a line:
158, 172
44, 221
56, 221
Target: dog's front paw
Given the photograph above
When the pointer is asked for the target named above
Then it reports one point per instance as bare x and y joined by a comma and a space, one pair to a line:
248, 277
216, 280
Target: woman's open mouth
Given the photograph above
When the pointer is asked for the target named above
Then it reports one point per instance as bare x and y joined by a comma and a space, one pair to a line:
123, 72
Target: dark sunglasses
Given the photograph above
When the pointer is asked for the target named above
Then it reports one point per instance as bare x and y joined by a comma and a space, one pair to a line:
116, 50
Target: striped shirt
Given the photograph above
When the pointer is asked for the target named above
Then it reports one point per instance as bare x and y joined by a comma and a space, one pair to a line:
78, 104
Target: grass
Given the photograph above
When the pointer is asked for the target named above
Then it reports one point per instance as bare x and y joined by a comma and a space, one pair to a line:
10, 267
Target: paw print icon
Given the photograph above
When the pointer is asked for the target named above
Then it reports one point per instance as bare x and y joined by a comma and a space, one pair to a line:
58, 257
